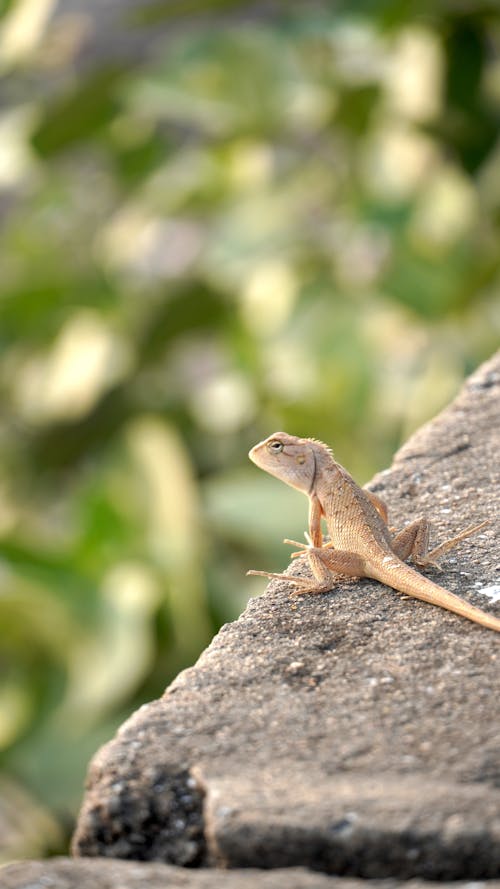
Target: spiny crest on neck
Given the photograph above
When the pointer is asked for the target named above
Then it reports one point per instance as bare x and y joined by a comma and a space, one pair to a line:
327, 450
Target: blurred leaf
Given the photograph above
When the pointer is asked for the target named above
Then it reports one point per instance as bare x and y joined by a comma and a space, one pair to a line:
247, 507
36, 309
466, 51
54, 762
431, 286
356, 107
135, 162
64, 443
158, 10
80, 114
471, 128
188, 308
5, 6
26, 827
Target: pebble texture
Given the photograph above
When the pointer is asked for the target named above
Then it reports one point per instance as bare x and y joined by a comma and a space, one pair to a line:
354, 732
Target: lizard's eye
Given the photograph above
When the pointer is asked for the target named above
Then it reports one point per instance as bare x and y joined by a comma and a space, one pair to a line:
275, 446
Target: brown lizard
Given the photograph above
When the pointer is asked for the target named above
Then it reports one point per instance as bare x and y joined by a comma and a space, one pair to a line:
361, 544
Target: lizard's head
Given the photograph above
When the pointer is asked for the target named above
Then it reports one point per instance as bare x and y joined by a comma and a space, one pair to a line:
291, 459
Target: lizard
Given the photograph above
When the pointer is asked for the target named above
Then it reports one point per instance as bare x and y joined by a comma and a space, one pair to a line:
360, 542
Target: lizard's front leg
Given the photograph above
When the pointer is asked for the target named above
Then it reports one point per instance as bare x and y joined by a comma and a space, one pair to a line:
315, 513
378, 503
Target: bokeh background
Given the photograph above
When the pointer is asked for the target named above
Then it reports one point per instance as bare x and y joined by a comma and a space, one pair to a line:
218, 219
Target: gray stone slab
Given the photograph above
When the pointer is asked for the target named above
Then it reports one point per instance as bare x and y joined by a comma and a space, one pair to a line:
356, 732
92, 873
99, 873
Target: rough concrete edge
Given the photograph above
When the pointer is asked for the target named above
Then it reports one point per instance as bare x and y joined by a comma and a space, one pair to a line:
182, 792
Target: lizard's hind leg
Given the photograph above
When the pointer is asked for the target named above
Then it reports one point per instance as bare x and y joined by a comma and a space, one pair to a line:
413, 543
324, 563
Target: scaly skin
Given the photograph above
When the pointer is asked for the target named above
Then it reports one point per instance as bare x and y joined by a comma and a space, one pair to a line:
360, 544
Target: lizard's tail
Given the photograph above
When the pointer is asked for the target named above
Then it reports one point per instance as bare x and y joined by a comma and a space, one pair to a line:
414, 584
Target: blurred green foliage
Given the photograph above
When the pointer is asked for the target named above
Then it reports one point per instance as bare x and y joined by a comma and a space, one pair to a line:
283, 222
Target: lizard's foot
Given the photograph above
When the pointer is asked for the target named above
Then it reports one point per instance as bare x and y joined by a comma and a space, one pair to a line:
314, 589
304, 582
426, 562
303, 547
305, 585
307, 547
445, 547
